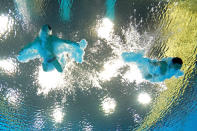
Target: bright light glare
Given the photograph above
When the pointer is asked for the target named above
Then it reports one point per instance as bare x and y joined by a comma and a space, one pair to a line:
108, 105
58, 115
49, 80
86, 126
38, 124
6, 24
105, 29
144, 98
111, 69
8, 65
137, 118
13, 97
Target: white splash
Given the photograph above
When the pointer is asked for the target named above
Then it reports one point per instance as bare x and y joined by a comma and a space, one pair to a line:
6, 24
9, 66
162, 86
21, 6
110, 69
132, 38
49, 80
133, 74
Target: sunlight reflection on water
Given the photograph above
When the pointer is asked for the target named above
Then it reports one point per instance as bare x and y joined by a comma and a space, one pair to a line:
13, 97
38, 123
108, 105
105, 28
144, 98
9, 66
6, 25
58, 115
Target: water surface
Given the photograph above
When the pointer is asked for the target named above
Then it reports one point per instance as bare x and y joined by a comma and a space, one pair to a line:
102, 93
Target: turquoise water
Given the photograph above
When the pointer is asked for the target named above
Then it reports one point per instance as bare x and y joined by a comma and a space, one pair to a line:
100, 92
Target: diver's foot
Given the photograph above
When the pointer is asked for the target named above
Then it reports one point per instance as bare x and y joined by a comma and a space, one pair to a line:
44, 67
131, 56
57, 66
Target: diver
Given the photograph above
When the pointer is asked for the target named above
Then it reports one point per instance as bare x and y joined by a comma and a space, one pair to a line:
49, 47
154, 70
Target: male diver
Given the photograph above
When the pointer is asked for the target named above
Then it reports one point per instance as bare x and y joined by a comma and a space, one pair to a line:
48, 47
154, 70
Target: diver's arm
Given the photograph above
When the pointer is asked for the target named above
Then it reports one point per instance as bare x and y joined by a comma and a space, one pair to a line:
179, 73
29, 52
31, 45
65, 41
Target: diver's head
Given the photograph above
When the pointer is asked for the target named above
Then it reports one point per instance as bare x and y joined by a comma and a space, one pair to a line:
45, 30
177, 63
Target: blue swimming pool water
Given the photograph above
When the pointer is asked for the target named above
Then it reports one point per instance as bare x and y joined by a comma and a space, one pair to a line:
103, 92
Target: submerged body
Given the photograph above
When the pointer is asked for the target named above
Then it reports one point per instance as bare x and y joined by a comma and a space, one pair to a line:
50, 48
154, 70
65, 9
110, 9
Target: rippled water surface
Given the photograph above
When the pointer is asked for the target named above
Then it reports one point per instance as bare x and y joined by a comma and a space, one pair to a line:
102, 93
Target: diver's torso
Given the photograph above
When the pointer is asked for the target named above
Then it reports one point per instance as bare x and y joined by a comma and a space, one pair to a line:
46, 48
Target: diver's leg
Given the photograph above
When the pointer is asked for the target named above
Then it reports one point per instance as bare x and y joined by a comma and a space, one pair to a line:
148, 76
132, 57
44, 66
57, 65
